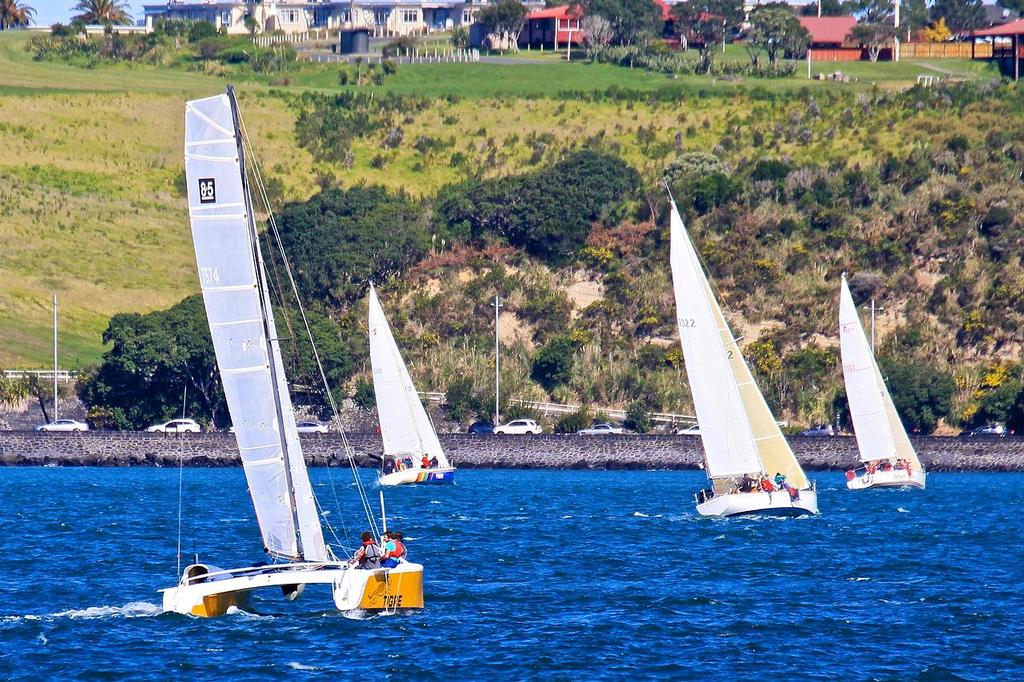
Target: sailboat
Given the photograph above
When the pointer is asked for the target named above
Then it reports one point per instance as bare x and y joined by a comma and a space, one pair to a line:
233, 279
409, 437
749, 464
888, 458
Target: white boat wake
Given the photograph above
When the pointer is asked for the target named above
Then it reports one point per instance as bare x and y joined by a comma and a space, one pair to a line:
135, 609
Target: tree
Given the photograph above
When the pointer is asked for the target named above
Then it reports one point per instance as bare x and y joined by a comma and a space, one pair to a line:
913, 16
997, 405
460, 37
102, 12
503, 21
775, 28
637, 417
960, 15
938, 32
921, 393
250, 23
341, 240
599, 34
633, 22
874, 36
12, 391
829, 8
709, 21
552, 364
15, 14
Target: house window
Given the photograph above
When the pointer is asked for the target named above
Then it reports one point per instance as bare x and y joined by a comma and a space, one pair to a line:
225, 18
410, 16
467, 16
291, 16
380, 16
345, 16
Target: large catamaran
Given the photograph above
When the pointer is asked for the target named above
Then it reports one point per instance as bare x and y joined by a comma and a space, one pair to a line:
412, 452
235, 290
750, 466
888, 459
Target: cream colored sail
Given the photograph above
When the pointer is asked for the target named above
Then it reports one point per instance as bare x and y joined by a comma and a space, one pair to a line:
880, 433
725, 389
405, 427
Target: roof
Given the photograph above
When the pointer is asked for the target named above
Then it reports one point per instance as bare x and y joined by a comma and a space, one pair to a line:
1014, 28
828, 29
560, 12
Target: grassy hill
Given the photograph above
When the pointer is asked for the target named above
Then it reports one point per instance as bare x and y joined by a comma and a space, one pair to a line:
91, 206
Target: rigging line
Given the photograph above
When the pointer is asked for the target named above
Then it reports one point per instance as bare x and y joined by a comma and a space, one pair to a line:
272, 223
181, 478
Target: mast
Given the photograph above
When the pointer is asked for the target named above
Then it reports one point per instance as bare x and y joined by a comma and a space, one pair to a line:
269, 331
55, 399
497, 376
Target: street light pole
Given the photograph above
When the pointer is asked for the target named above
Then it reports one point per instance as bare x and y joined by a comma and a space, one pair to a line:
497, 376
55, 357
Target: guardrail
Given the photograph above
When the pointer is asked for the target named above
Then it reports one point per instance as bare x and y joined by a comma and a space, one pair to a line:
63, 375
562, 408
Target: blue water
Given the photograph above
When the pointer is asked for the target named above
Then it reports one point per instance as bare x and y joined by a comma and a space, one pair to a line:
555, 574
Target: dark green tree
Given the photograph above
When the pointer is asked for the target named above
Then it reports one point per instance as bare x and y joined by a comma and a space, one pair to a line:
874, 36
960, 15
775, 29
829, 8
921, 393
633, 22
998, 404
552, 364
638, 418
343, 239
504, 20
708, 22
913, 16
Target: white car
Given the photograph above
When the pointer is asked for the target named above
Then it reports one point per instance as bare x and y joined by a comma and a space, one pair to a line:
64, 425
310, 427
519, 427
599, 429
176, 426
688, 431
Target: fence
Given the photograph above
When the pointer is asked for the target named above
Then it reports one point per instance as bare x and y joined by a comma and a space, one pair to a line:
292, 38
945, 50
560, 408
410, 57
63, 375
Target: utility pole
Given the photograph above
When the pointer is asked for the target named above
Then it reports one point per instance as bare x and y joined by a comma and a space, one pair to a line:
497, 376
896, 38
819, 8
55, 357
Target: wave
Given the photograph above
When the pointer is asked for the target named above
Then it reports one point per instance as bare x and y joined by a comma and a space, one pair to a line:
295, 665
135, 609
641, 515
901, 510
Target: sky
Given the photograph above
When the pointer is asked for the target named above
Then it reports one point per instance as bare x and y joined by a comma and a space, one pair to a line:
49, 12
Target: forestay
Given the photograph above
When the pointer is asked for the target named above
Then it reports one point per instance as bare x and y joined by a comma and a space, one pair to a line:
405, 427
880, 434
241, 322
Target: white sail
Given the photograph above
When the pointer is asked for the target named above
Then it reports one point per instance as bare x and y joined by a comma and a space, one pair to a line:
724, 428
741, 436
244, 337
880, 434
405, 427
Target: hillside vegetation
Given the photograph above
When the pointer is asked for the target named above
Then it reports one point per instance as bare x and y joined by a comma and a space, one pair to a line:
914, 194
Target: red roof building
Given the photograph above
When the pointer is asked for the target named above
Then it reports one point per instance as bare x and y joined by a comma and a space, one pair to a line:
1006, 43
558, 26
830, 38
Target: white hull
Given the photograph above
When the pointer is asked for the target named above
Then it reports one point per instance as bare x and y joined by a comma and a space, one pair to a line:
211, 591
768, 504
892, 478
409, 476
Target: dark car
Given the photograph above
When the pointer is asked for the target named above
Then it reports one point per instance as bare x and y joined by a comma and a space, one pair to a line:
994, 429
819, 430
481, 427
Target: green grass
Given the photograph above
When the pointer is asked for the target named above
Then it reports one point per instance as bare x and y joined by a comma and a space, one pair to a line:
88, 202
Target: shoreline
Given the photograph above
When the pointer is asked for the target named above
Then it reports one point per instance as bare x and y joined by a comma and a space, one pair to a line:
607, 452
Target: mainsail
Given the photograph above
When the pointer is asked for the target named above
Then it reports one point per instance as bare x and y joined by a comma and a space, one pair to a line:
739, 432
233, 281
405, 427
880, 433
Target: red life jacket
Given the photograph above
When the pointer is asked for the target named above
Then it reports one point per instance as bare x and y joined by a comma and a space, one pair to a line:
426, 462
399, 551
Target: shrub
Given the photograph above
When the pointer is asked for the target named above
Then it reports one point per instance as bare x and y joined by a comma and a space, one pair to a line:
571, 423
364, 396
552, 364
637, 417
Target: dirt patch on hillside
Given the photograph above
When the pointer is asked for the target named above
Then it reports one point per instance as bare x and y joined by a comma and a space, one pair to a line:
582, 293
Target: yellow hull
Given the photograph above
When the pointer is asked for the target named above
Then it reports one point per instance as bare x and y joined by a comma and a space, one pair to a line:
391, 590
218, 604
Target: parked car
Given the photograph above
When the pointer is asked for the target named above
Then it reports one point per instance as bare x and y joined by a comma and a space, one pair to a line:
310, 427
481, 427
819, 430
993, 429
176, 426
64, 425
599, 429
519, 427
693, 430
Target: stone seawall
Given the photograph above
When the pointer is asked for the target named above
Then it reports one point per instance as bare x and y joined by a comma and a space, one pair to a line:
99, 448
